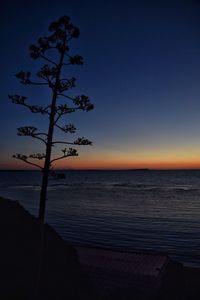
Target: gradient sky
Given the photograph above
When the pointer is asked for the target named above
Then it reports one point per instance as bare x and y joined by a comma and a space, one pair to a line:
141, 71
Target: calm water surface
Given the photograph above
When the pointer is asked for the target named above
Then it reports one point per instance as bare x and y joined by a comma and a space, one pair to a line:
129, 210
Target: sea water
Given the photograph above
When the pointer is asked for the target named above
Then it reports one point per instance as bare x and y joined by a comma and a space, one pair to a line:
135, 210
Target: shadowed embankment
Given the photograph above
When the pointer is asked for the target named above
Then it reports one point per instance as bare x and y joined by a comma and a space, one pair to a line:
61, 276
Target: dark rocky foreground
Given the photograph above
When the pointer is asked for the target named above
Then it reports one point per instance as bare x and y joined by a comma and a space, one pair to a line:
61, 276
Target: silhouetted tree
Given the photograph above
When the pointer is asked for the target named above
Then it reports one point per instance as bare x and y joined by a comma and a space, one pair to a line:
55, 51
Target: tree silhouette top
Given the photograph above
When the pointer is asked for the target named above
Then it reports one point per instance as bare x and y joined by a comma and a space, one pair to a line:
54, 51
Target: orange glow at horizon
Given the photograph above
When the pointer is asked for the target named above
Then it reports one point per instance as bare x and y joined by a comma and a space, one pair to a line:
110, 165
121, 160
131, 165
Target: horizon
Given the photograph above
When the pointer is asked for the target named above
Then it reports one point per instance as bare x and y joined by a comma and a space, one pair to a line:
132, 169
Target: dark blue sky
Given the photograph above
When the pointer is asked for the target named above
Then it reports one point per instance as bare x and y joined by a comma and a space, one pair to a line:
141, 70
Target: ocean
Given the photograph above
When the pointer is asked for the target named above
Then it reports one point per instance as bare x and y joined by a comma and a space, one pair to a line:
135, 210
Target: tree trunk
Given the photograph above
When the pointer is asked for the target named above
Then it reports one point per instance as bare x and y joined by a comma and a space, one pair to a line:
45, 177
43, 193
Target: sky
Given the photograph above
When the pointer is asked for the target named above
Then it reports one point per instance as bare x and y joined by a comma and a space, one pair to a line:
141, 70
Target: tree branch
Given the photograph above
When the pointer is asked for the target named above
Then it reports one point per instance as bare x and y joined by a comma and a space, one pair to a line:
48, 59
17, 99
62, 110
58, 117
42, 133
66, 153
68, 128
41, 139
62, 142
80, 142
31, 131
37, 156
65, 129
24, 158
68, 97
39, 83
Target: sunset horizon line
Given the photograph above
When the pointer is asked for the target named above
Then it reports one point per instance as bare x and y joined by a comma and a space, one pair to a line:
106, 169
